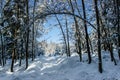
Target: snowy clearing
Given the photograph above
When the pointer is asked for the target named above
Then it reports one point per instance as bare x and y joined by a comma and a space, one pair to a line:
63, 68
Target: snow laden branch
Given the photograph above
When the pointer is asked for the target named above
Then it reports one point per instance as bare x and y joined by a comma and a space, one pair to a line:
43, 15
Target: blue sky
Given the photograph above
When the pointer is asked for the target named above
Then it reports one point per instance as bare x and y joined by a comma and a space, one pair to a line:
54, 32
53, 35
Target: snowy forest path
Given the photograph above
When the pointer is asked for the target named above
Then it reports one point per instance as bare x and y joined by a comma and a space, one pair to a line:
62, 68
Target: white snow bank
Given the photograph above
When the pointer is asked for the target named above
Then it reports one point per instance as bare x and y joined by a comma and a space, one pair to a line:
63, 68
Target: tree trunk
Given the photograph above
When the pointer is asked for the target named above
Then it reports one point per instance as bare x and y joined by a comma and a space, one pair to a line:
118, 25
79, 46
111, 53
12, 64
33, 29
14, 50
1, 36
87, 36
2, 49
79, 39
67, 31
27, 33
99, 42
77, 34
21, 52
63, 36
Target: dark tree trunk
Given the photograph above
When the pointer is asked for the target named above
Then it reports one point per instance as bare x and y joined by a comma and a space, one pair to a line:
91, 46
99, 42
77, 34
20, 59
79, 38
33, 29
14, 49
1, 36
0, 60
27, 33
2, 50
79, 46
111, 53
13, 57
86, 32
67, 31
118, 25
21, 52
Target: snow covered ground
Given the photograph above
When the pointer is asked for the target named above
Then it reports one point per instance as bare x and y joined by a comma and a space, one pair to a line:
63, 68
